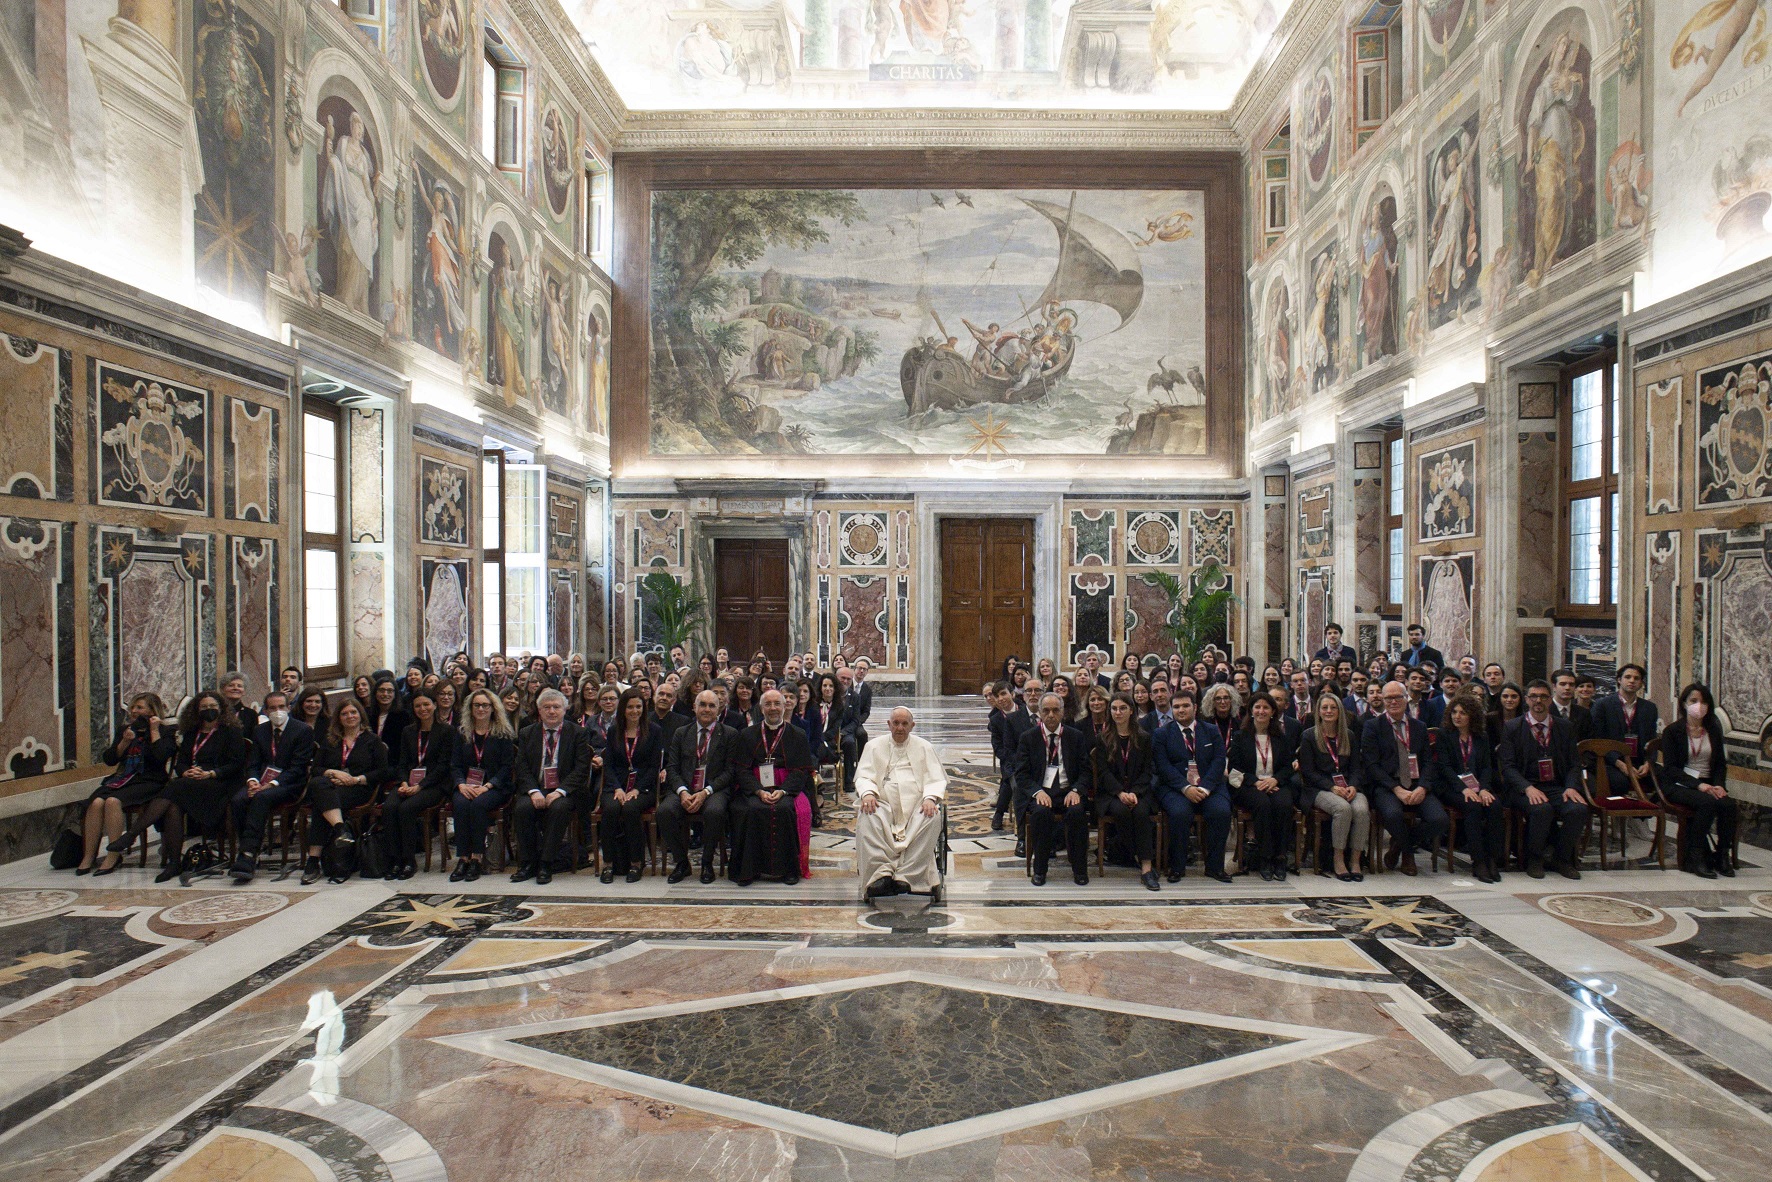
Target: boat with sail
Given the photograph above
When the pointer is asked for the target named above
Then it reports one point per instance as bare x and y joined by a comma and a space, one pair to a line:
1097, 264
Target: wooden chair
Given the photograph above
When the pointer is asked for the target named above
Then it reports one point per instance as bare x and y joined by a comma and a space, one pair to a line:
1596, 785
1682, 816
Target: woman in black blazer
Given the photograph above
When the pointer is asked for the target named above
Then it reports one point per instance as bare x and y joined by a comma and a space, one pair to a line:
348, 772
1120, 766
386, 717
143, 748
483, 778
1465, 779
209, 768
1329, 770
421, 779
631, 763
1694, 775
1258, 767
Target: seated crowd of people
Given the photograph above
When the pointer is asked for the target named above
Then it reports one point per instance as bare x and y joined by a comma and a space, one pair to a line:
721, 754
1411, 740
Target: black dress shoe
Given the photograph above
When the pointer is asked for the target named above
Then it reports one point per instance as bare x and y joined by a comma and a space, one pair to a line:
475, 869
524, 874
337, 879
393, 874
607, 877
678, 873
1175, 875
1221, 876
744, 882
101, 869
310, 872
634, 876
1267, 875
460, 873
1039, 879
81, 871
1080, 878
1021, 849
1567, 870
1535, 868
544, 876
1344, 876
1280, 870
408, 871
1149, 879
997, 822
342, 835
789, 880
1702, 870
707, 875
168, 873
1725, 868
245, 865
875, 889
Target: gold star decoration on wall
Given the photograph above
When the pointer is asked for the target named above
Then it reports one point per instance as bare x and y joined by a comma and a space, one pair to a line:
1378, 915
229, 244
421, 915
988, 436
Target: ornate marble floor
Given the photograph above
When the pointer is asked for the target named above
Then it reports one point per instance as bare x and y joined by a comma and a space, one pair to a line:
1406, 1030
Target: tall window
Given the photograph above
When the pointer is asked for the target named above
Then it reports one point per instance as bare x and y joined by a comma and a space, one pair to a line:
1378, 67
503, 82
596, 233
1394, 451
322, 544
1590, 488
367, 15
1276, 179
525, 555
492, 616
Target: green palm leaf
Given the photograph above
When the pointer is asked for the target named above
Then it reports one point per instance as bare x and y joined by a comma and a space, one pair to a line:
1199, 610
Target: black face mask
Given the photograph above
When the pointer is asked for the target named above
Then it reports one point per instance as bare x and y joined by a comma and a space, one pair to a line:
209, 714
139, 726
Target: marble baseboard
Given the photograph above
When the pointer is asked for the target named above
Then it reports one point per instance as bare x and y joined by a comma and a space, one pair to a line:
25, 835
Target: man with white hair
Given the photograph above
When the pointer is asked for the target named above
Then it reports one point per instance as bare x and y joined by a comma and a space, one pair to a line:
899, 785
553, 769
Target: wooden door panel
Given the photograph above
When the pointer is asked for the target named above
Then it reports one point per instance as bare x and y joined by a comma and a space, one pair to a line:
751, 596
987, 574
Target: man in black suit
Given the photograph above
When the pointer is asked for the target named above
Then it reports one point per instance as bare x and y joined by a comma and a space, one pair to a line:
276, 775
664, 713
1419, 652
1395, 749
1433, 709
553, 770
859, 696
1003, 747
1627, 717
1160, 714
699, 769
1565, 707
1333, 650
1543, 775
1494, 677
1049, 785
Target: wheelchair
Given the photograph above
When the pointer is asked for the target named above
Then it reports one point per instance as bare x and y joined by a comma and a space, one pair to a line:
937, 893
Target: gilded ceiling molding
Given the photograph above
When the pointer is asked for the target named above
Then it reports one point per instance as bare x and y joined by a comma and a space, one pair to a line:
1298, 40
658, 131
560, 41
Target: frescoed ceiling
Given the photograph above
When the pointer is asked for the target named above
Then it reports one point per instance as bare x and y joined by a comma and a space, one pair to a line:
990, 54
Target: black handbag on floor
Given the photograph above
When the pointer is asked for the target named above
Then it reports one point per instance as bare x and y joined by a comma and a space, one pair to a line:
68, 849
372, 854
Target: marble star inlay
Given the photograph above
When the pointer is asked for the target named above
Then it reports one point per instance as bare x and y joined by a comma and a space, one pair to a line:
903, 1063
1376, 914
420, 915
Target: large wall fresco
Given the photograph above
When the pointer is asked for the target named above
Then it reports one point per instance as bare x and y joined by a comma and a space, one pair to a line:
969, 322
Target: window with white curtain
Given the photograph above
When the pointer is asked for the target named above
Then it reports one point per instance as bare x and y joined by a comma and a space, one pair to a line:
322, 544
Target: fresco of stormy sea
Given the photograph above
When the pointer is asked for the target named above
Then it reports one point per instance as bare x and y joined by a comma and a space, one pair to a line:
981, 323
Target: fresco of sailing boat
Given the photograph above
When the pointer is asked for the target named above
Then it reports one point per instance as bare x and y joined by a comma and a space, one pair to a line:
989, 323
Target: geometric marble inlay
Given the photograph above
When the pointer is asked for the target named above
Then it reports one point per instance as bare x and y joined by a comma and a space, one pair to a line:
224, 909
902, 1063
1600, 909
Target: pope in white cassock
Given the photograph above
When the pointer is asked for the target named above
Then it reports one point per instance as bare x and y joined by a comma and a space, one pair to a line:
899, 785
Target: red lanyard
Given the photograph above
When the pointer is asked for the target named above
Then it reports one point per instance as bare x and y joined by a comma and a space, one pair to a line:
344, 752
479, 744
1334, 752
1464, 749
1264, 751
630, 743
1402, 733
201, 742
1694, 746
1630, 714
424, 743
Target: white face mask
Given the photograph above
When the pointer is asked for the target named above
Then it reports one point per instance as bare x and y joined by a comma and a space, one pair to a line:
279, 718
1695, 709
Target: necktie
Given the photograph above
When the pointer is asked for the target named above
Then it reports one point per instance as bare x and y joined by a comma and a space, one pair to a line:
553, 744
1542, 730
276, 738
701, 744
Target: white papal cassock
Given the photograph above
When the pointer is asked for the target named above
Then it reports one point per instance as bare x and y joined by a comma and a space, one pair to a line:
896, 840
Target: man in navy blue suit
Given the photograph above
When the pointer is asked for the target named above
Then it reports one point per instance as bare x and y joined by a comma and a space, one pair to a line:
1395, 749
1190, 780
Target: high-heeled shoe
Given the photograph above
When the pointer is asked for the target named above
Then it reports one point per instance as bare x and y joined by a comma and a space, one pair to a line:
82, 871
121, 845
167, 873
100, 870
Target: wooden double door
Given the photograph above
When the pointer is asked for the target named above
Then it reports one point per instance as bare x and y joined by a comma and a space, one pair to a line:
751, 597
987, 598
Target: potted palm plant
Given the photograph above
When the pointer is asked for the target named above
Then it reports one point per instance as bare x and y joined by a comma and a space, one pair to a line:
674, 609
1199, 609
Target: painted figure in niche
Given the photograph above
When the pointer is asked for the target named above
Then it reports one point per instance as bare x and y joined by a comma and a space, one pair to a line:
1322, 330
597, 344
233, 65
349, 216
1454, 238
504, 324
1732, 20
556, 346
1279, 352
1556, 189
439, 302
557, 168
1318, 126
1378, 281
440, 34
